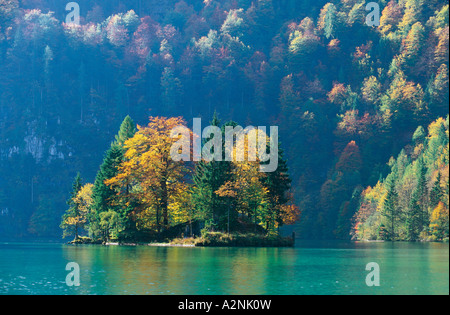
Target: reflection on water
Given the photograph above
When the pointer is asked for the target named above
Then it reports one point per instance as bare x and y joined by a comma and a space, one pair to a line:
309, 268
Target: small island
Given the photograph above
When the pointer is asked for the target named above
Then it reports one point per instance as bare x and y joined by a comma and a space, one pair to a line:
210, 239
142, 195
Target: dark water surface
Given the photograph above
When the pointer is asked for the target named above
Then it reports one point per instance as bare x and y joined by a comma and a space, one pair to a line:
309, 268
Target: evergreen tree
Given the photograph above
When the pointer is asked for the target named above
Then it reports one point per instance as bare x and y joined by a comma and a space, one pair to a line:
436, 194
126, 131
413, 43
327, 20
422, 193
278, 184
71, 221
414, 218
390, 210
208, 178
105, 198
234, 23
419, 136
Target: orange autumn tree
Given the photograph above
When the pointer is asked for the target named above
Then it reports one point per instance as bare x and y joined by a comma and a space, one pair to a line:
149, 177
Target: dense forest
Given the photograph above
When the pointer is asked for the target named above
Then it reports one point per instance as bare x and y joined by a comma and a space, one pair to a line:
411, 203
347, 98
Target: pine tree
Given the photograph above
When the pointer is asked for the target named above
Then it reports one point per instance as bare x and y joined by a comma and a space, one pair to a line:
108, 169
413, 13
105, 198
422, 193
71, 221
327, 20
414, 218
234, 23
419, 136
413, 43
390, 210
437, 92
126, 131
208, 178
278, 184
436, 194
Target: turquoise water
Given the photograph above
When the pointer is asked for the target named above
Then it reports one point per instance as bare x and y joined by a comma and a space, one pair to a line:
309, 268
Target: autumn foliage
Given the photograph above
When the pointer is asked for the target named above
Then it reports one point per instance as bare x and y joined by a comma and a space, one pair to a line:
159, 195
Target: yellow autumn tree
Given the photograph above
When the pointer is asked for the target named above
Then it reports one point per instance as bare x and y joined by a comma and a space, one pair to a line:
84, 200
440, 222
250, 196
246, 189
78, 218
390, 18
149, 177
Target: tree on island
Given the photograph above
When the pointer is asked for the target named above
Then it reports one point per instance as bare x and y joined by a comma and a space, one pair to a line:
105, 198
76, 217
148, 176
207, 179
141, 189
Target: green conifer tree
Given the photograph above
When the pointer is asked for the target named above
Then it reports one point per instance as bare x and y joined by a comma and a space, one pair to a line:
422, 193
70, 223
436, 194
105, 198
126, 131
390, 210
414, 218
278, 184
214, 210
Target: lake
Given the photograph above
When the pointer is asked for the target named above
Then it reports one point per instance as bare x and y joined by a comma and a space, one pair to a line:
309, 268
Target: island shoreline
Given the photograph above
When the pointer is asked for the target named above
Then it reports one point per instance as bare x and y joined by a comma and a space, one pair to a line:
211, 239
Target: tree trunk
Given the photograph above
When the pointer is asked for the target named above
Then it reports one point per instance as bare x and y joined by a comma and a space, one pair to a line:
164, 203
158, 226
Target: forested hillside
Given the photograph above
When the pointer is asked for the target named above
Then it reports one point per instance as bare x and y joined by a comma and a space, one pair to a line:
411, 203
347, 97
